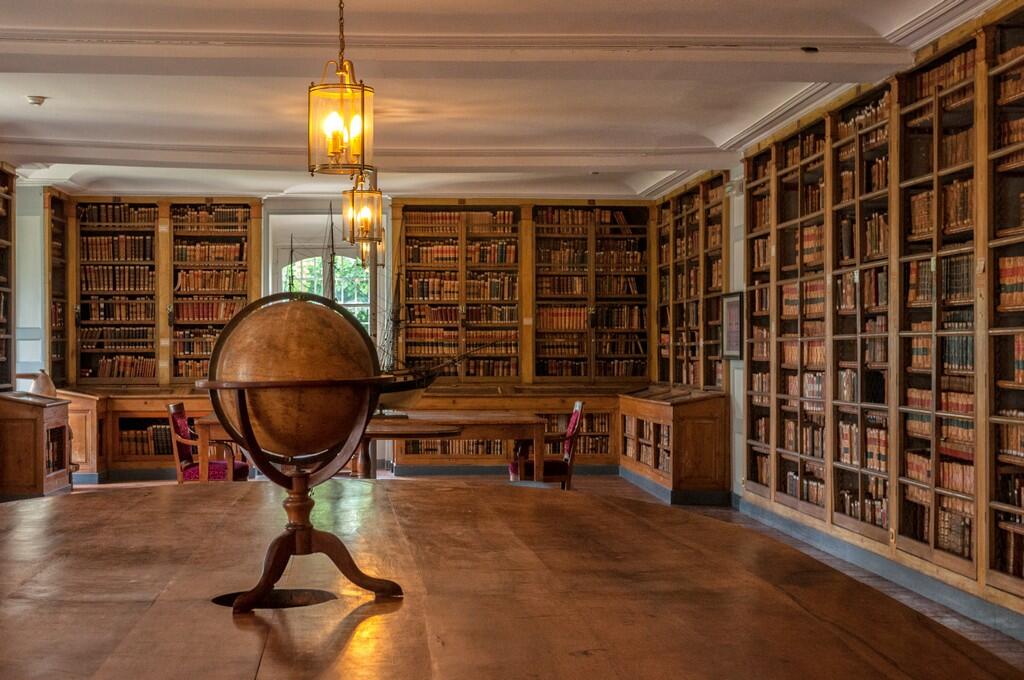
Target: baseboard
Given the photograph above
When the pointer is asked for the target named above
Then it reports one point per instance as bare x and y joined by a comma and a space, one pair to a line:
987, 613
676, 497
88, 477
402, 470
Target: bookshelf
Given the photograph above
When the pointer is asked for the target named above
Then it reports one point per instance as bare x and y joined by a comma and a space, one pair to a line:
758, 368
211, 269
460, 292
691, 266
1002, 216
591, 296
56, 206
860, 193
935, 471
798, 316
7, 232
117, 284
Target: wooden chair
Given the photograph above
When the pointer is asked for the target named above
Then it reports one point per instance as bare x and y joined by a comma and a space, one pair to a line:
555, 470
186, 464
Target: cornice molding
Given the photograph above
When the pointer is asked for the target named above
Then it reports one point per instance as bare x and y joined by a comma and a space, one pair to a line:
498, 41
937, 21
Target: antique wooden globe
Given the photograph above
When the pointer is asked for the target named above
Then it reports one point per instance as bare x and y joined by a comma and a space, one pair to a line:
294, 379
312, 343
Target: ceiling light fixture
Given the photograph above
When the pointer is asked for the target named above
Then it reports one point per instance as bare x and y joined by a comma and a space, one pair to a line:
340, 142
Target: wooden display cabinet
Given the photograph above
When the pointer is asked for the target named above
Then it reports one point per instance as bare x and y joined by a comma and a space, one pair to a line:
675, 444
34, 446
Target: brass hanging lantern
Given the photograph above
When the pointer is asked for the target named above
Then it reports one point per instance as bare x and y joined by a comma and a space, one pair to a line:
340, 116
363, 213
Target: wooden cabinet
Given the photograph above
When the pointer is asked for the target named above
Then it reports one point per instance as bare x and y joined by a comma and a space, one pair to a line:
34, 446
86, 417
675, 444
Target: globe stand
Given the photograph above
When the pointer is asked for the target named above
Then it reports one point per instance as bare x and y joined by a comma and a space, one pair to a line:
300, 538
310, 427
305, 472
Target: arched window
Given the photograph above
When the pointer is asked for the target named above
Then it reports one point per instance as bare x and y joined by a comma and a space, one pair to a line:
351, 282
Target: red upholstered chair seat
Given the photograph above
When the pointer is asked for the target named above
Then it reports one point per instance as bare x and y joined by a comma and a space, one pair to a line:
218, 471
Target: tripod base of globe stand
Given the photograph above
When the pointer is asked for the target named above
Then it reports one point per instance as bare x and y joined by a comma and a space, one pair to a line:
300, 538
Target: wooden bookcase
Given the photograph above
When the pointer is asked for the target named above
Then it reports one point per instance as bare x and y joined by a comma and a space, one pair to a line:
7, 233
924, 387
674, 443
211, 265
460, 290
936, 480
859, 195
691, 266
591, 293
56, 208
196, 261
116, 312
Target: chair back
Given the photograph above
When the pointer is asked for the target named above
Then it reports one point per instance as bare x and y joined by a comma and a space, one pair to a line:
181, 434
571, 433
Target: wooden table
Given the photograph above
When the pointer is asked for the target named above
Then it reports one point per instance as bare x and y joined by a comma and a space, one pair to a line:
419, 425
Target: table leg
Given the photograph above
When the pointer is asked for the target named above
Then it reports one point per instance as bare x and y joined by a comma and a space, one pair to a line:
203, 446
538, 453
361, 464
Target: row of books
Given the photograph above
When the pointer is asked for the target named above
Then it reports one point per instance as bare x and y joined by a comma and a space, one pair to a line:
206, 251
116, 338
1010, 489
917, 465
810, 200
921, 221
920, 282
443, 314
714, 236
206, 280
715, 274
955, 532
876, 239
118, 309
1011, 130
618, 285
119, 213
1011, 281
154, 440
814, 297
191, 368
921, 352
810, 489
957, 148
956, 476
875, 139
561, 253
958, 353
562, 318
864, 116
958, 68
492, 252
1009, 547
487, 313
433, 286
122, 247
629, 254
549, 285
814, 354
203, 217
874, 509
958, 278
121, 366
761, 429
491, 368
621, 317
877, 176
957, 395
491, 286
761, 381
620, 368
579, 216
760, 346
458, 447
761, 214
592, 423
919, 425
566, 368
431, 252
453, 218
759, 254
117, 277
919, 398
207, 309
621, 344
1011, 85
958, 205
876, 287
846, 385
814, 385
194, 342
847, 185
555, 345
1010, 440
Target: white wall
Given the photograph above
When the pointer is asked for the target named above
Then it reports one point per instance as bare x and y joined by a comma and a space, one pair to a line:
737, 381
29, 280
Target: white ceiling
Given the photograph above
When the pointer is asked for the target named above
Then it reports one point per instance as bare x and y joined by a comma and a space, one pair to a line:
528, 97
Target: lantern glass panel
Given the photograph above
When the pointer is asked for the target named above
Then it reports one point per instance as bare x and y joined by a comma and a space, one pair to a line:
340, 127
362, 211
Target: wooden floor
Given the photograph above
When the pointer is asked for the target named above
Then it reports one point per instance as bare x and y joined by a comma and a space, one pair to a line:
500, 582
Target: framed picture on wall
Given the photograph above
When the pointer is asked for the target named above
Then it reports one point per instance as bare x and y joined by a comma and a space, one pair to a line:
732, 326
